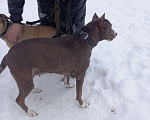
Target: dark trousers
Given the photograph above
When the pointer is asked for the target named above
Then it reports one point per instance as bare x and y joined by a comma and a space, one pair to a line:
78, 11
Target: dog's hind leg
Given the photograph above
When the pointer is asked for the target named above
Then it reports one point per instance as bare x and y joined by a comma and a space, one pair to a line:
25, 84
68, 84
65, 79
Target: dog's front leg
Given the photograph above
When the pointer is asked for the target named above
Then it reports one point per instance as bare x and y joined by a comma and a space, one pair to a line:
79, 84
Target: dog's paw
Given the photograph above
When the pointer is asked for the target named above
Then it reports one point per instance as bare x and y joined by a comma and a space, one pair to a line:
85, 105
70, 86
65, 81
31, 113
35, 90
62, 79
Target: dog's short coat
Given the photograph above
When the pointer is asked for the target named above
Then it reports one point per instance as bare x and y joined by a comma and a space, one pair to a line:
69, 54
28, 32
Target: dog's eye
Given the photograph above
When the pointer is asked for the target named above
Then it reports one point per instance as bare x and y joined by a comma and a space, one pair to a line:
104, 24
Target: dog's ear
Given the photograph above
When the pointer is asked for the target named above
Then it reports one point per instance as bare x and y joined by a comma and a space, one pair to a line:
102, 18
94, 17
4, 16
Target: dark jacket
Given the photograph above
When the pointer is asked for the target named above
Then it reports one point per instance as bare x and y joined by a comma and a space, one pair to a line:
78, 10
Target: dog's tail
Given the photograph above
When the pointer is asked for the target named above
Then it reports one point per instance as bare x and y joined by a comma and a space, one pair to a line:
3, 63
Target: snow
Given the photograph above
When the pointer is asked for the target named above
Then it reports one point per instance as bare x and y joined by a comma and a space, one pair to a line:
117, 80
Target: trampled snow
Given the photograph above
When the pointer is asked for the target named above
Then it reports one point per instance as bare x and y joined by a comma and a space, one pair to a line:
117, 82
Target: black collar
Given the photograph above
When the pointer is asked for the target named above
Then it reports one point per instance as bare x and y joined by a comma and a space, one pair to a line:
86, 37
2, 34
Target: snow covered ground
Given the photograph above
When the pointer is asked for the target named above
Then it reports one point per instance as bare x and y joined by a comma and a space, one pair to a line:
117, 83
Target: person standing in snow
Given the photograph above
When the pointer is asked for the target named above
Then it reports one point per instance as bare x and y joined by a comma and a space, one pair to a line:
78, 11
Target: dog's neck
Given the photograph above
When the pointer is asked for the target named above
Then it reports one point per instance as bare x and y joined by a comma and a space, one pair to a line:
85, 36
91, 29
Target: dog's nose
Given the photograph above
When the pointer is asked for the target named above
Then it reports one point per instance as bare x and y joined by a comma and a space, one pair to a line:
116, 34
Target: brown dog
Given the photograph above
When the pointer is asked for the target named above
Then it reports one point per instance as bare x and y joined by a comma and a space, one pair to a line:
69, 54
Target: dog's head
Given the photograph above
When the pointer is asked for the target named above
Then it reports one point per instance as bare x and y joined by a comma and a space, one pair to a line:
106, 31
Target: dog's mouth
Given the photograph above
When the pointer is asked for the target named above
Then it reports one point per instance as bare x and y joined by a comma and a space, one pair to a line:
110, 39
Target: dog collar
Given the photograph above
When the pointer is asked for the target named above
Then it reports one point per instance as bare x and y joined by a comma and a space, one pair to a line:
2, 34
85, 36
